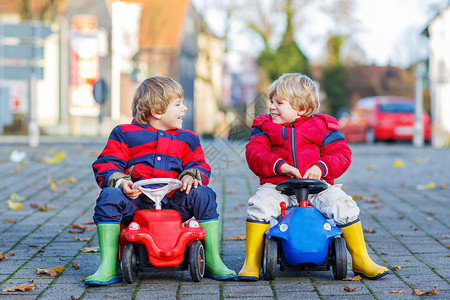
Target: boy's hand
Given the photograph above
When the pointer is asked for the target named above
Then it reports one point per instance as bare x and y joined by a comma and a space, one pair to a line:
290, 171
313, 173
188, 182
128, 191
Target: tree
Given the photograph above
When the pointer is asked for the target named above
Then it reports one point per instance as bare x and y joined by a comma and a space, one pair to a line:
287, 57
44, 10
335, 77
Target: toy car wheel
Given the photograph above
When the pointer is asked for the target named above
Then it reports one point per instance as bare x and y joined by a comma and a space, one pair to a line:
129, 263
339, 258
197, 260
270, 259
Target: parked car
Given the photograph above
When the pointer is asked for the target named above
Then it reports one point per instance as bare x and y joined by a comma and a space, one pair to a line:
382, 118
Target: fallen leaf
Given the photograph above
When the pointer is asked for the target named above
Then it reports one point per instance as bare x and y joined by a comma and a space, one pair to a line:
348, 289
9, 221
369, 230
417, 292
15, 197
239, 237
428, 186
89, 249
372, 200
356, 278
431, 292
397, 267
80, 239
14, 205
33, 246
84, 227
397, 291
57, 158
357, 197
231, 191
421, 160
75, 265
444, 186
398, 163
371, 167
23, 287
429, 219
50, 271
19, 167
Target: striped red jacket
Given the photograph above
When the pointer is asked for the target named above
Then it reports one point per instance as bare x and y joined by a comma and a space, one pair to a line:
142, 152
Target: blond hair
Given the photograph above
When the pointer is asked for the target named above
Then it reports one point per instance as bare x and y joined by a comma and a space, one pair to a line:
299, 90
154, 95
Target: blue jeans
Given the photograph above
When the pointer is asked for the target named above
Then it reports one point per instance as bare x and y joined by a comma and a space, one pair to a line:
114, 207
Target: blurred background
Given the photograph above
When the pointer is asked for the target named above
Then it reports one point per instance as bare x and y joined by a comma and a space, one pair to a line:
70, 67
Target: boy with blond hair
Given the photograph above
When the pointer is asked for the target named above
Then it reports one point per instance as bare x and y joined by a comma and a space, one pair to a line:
294, 142
153, 146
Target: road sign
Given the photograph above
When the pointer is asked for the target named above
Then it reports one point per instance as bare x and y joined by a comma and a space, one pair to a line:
27, 52
25, 30
22, 72
100, 91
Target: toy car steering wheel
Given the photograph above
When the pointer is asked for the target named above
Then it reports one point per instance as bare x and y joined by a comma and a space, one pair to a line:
301, 188
157, 194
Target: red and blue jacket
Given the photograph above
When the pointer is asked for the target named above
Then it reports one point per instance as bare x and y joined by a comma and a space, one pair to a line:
136, 152
303, 143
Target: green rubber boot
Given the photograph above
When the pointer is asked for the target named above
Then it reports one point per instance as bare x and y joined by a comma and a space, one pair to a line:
215, 268
109, 270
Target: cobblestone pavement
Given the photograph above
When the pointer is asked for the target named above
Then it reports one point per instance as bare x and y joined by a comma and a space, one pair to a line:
402, 192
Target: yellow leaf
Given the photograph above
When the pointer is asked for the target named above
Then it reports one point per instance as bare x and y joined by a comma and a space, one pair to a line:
90, 249
371, 167
59, 157
50, 271
398, 163
428, 186
15, 197
14, 205
421, 160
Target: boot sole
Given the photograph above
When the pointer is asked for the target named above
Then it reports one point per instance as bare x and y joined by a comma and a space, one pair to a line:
374, 277
248, 278
101, 283
224, 277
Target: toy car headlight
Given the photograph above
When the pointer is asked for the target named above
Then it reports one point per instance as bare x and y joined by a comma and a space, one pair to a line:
193, 224
134, 226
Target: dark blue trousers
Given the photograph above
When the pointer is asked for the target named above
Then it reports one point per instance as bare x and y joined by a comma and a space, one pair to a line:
114, 207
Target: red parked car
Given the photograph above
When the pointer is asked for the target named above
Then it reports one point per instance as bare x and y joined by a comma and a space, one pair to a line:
382, 118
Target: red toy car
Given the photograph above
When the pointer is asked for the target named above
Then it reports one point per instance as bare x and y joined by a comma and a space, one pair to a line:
382, 118
156, 238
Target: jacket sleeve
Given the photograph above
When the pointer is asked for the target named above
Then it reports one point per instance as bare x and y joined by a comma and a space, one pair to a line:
111, 164
193, 160
334, 151
260, 158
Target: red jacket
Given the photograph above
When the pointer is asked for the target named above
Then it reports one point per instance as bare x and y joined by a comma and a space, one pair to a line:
302, 143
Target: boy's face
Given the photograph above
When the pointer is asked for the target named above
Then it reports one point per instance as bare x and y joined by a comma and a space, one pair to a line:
173, 117
282, 112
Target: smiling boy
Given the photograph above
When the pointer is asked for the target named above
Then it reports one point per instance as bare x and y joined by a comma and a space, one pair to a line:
295, 142
153, 146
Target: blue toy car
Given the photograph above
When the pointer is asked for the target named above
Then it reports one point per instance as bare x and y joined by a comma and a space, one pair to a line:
301, 237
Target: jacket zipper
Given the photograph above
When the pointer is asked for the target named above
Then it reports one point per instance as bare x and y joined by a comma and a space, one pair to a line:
294, 154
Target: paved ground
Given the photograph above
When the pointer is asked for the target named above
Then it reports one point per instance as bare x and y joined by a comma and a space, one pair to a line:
409, 224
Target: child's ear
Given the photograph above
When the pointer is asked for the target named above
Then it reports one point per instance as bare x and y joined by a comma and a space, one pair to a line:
301, 112
155, 115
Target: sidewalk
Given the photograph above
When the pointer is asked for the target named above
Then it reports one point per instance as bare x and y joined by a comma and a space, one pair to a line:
408, 221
